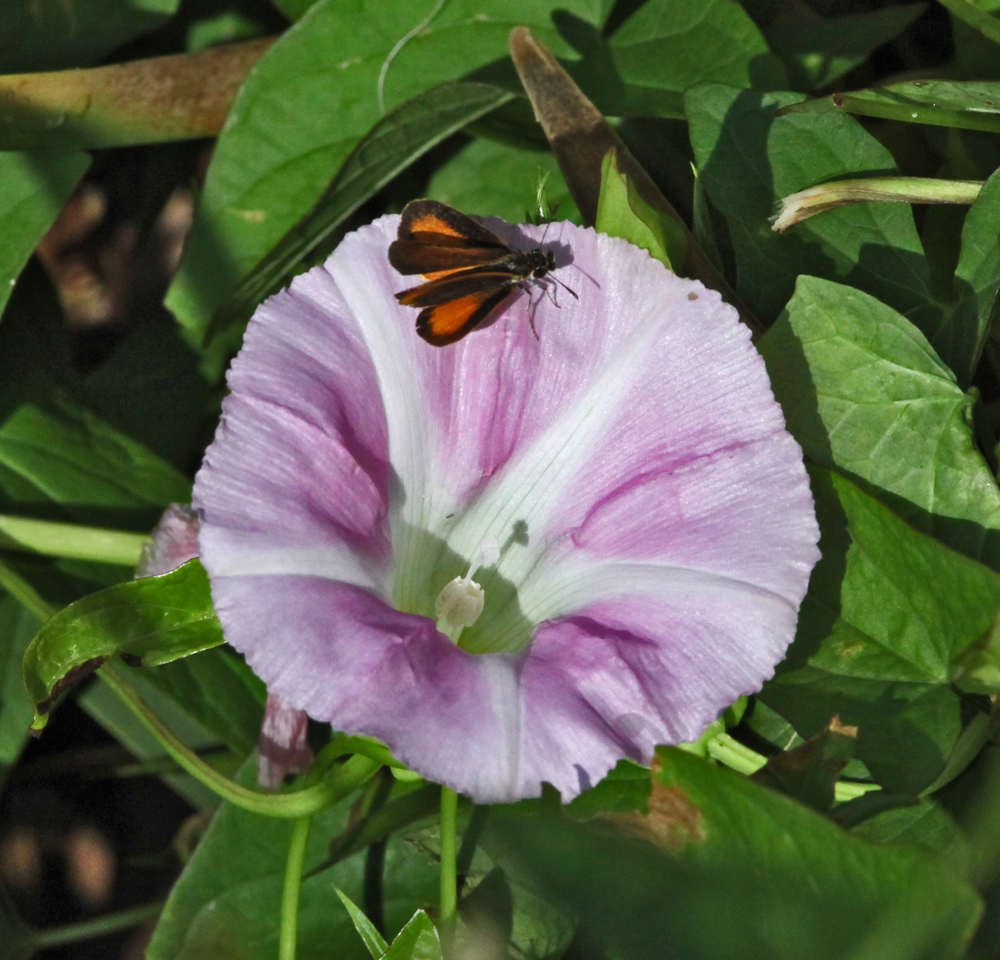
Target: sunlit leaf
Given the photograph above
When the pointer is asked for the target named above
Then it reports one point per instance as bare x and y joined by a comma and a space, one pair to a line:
863, 391
153, 620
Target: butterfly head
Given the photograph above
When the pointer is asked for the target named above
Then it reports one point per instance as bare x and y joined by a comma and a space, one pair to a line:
541, 262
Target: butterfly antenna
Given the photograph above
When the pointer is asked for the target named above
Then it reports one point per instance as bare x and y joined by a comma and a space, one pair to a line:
566, 288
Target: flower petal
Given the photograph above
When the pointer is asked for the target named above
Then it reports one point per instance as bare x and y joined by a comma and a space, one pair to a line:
297, 479
174, 541
282, 747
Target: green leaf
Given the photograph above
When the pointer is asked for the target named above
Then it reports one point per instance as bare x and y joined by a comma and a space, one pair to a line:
17, 627
372, 939
486, 912
863, 391
234, 879
65, 455
33, 189
305, 107
977, 733
817, 50
418, 940
395, 142
489, 178
626, 787
977, 278
155, 619
736, 870
498, 910
749, 158
925, 824
294, 9
621, 212
881, 634
672, 45
539, 930
942, 103
52, 35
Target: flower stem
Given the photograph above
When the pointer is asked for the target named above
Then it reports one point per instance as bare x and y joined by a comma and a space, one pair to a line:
725, 749
449, 884
302, 803
290, 893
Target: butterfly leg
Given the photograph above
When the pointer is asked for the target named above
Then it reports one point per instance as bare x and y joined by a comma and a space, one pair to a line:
532, 305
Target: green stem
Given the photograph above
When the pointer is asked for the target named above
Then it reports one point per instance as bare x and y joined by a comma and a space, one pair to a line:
71, 541
449, 882
302, 803
732, 753
288, 931
88, 929
290, 894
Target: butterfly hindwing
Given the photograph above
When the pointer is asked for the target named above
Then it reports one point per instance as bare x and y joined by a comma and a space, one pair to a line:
450, 321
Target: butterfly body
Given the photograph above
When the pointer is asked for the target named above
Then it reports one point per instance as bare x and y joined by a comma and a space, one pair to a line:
469, 271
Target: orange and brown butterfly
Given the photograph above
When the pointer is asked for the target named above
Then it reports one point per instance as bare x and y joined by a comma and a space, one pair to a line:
469, 270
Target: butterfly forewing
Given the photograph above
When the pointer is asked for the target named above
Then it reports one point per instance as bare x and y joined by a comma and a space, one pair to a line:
426, 217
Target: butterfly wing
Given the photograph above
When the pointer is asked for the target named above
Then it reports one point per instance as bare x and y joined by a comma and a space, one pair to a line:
455, 287
435, 240
422, 217
431, 260
447, 322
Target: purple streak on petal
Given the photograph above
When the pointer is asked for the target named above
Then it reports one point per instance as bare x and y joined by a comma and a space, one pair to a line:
282, 748
300, 459
616, 679
175, 541
738, 512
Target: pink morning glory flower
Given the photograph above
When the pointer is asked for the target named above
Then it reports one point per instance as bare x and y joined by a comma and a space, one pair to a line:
514, 559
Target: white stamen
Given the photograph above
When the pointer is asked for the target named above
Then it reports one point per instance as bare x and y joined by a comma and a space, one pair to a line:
462, 600
487, 554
